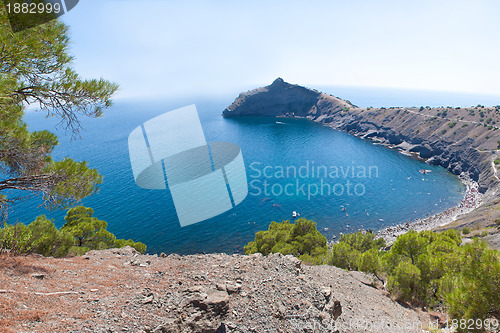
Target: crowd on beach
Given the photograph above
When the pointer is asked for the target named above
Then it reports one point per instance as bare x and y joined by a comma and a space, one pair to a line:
471, 200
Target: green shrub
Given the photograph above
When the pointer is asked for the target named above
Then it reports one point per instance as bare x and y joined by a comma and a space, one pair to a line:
433, 269
344, 256
90, 232
349, 251
140, 247
80, 234
78, 250
405, 281
301, 239
18, 238
466, 231
51, 241
370, 262
452, 124
362, 241
471, 292
41, 236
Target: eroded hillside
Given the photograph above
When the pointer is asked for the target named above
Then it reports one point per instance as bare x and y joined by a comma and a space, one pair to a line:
119, 290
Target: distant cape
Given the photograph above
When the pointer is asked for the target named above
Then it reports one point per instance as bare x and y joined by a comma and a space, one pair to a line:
284, 99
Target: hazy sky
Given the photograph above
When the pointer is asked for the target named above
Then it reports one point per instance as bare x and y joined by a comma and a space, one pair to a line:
167, 47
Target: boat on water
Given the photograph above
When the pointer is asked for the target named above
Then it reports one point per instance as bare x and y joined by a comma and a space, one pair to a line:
295, 214
424, 171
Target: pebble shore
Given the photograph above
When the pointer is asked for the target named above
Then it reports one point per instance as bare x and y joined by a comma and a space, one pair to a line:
472, 200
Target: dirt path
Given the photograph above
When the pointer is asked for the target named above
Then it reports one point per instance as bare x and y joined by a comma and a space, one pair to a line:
494, 166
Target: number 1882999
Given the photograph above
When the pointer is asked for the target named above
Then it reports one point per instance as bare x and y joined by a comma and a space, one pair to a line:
33, 8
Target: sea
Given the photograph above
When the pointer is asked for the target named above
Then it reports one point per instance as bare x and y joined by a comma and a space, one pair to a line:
341, 182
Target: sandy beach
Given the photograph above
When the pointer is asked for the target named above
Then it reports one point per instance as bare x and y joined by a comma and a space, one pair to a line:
471, 200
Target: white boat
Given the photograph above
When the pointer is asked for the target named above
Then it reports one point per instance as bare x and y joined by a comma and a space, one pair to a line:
294, 214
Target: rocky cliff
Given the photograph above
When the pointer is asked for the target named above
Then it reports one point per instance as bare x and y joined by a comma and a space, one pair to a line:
463, 140
283, 99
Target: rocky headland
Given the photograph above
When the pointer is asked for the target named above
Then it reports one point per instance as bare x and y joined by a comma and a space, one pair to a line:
464, 140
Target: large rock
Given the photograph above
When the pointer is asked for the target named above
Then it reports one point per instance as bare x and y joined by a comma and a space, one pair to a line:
334, 308
216, 302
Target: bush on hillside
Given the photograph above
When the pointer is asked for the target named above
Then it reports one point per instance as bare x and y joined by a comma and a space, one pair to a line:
347, 252
40, 236
300, 239
80, 234
434, 268
428, 268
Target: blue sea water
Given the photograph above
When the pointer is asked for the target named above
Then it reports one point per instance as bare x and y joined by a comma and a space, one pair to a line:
370, 186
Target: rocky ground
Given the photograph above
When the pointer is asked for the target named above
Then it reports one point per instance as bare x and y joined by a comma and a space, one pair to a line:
119, 290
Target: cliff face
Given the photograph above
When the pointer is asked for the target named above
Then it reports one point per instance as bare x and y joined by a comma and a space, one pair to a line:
463, 140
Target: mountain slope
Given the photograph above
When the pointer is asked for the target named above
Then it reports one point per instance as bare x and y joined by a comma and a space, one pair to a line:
119, 290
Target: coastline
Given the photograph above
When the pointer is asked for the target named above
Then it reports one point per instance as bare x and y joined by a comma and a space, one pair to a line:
426, 133
472, 199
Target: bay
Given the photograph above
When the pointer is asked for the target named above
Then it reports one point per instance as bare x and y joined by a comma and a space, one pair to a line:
386, 187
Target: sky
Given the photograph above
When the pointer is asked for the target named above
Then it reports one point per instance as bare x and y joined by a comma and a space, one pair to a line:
159, 48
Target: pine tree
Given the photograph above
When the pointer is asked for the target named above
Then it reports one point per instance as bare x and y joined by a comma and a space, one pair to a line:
35, 70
